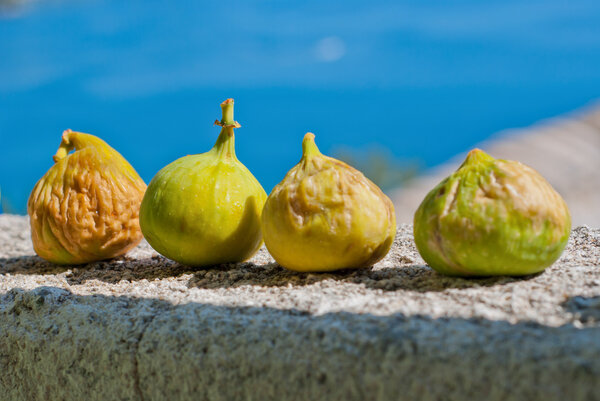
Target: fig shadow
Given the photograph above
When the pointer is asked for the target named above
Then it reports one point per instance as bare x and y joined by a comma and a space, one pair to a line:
402, 277
109, 271
30, 264
414, 277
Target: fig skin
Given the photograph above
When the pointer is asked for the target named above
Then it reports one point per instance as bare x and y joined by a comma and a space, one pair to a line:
205, 209
326, 215
85, 208
492, 217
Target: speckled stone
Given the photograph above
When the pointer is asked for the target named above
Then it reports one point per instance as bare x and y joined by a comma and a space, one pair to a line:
142, 327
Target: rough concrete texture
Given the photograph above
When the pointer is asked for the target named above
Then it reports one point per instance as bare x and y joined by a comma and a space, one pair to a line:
145, 328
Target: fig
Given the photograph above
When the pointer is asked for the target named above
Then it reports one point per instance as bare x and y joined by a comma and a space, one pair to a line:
492, 217
85, 208
326, 215
205, 209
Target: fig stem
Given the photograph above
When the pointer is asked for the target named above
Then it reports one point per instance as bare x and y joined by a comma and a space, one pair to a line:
227, 120
227, 109
225, 145
309, 147
65, 146
476, 156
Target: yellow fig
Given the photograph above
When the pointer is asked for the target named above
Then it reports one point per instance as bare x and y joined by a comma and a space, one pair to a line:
85, 208
205, 209
326, 215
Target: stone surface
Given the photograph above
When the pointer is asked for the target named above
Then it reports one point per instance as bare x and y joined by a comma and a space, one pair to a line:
144, 328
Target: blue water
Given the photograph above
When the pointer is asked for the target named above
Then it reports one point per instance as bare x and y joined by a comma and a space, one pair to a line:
424, 79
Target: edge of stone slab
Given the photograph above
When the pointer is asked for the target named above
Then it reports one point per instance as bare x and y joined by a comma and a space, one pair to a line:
57, 345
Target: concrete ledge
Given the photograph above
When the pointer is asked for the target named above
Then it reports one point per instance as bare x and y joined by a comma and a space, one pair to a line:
144, 328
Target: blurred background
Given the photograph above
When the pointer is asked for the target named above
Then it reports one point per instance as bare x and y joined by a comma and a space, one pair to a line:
400, 89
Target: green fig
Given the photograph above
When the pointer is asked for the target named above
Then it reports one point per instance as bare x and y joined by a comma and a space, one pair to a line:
205, 209
492, 217
325, 216
85, 208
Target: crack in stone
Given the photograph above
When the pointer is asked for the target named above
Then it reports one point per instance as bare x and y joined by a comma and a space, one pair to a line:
136, 373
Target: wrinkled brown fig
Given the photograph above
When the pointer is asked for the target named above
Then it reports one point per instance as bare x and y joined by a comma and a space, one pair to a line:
86, 207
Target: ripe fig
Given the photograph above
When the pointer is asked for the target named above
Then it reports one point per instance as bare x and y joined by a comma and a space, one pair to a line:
492, 217
326, 215
205, 209
85, 208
